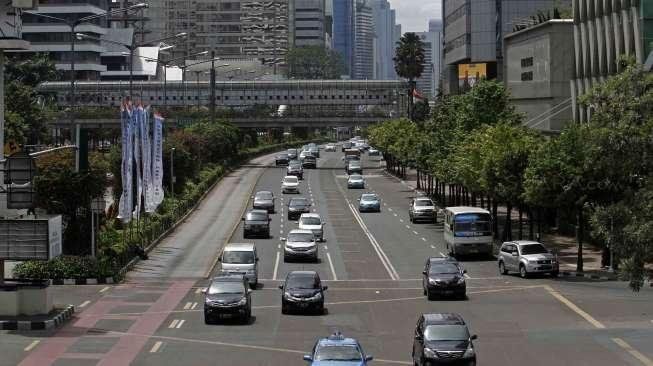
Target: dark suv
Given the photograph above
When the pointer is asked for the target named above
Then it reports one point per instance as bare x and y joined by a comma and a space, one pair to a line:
443, 339
256, 223
297, 206
309, 162
295, 168
227, 296
443, 276
282, 159
302, 291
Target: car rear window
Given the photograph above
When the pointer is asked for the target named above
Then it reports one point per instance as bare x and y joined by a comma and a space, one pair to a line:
264, 195
257, 216
310, 221
300, 237
302, 282
297, 202
290, 179
238, 256
423, 203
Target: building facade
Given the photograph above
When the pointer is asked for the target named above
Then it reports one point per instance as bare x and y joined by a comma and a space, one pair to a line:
474, 31
343, 32
384, 27
363, 67
603, 32
309, 22
53, 37
427, 84
538, 65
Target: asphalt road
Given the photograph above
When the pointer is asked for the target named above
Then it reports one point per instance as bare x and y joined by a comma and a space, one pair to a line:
372, 264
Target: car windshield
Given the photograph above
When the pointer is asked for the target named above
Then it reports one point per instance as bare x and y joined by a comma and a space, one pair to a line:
283, 156
338, 353
298, 202
447, 332
445, 268
302, 282
310, 221
257, 216
264, 195
369, 198
533, 249
218, 288
423, 203
295, 165
238, 256
290, 179
292, 151
472, 224
300, 237
355, 177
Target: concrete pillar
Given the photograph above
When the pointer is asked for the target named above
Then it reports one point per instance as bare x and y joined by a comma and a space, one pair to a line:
578, 51
574, 103
609, 38
639, 52
591, 36
616, 30
626, 29
600, 41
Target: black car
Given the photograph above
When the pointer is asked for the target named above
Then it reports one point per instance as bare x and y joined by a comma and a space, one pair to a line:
227, 296
443, 276
292, 154
309, 162
256, 223
443, 339
295, 168
263, 200
282, 159
302, 291
297, 206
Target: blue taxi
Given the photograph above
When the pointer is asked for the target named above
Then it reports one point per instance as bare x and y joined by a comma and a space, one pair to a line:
336, 350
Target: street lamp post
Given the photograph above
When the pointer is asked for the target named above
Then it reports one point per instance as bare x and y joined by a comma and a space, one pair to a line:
172, 172
212, 86
73, 24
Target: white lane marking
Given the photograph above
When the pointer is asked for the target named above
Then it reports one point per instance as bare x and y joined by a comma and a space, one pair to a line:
156, 346
415, 232
395, 214
597, 324
105, 289
635, 353
466, 276
432, 246
390, 209
281, 220
281, 232
401, 220
32, 345
84, 303
408, 227
442, 255
385, 204
188, 305
379, 251
326, 247
333, 269
281, 226
198, 291
181, 322
173, 324
194, 306
276, 266
279, 246
423, 239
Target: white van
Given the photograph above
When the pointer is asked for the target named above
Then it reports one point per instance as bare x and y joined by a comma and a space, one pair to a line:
240, 259
468, 230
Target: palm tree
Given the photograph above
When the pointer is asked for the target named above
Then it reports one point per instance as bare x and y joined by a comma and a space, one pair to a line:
409, 63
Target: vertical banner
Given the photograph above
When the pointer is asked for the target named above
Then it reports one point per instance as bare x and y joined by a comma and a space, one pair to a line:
126, 198
137, 125
146, 144
157, 160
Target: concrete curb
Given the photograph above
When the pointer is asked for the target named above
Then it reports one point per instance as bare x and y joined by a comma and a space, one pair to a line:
592, 276
84, 281
55, 322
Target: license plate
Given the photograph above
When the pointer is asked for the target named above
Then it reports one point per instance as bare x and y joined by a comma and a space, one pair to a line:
448, 292
303, 304
473, 250
545, 267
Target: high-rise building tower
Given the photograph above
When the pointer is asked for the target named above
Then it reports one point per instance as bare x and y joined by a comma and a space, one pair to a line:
384, 27
309, 23
363, 67
427, 84
343, 32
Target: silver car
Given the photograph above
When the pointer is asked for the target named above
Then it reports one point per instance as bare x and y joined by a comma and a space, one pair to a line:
422, 209
240, 259
527, 257
300, 244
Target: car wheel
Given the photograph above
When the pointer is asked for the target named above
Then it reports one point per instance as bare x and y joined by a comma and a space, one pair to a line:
245, 236
286, 259
502, 268
320, 309
253, 285
247, 316
284, 308
522, 271
430, 296
424, 290
207, 320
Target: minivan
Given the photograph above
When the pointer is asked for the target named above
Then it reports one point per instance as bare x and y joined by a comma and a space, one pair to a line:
240, 258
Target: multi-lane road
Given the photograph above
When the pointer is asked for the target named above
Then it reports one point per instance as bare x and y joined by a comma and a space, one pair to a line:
372, 263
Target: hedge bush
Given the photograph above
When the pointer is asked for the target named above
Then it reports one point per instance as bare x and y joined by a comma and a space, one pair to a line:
65, 267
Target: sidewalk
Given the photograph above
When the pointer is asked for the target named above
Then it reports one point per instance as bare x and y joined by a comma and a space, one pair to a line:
566, 246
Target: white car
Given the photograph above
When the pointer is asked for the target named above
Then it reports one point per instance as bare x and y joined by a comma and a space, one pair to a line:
290, 184
312, 222
300, 244
330, 148
373, 152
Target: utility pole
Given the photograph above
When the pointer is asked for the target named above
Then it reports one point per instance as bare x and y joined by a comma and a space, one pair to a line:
213, 86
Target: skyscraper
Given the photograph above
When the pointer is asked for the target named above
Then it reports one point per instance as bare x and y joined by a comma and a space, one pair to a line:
384, 29
427, 84
363, 67
343, 32
309, 23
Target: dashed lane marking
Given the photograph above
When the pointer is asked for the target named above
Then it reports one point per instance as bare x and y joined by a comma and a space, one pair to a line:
423, 239
105, 289
198, 291
415, 232
401, 220
442, 255
156, 347
333, 269
32, 345
390, 209
276, 266
395, 214
188, 305
408, 227
84, 304
633, 352
173, 324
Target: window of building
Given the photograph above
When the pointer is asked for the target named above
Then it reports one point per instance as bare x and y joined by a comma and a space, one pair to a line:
527, 62
527, 76
457, 14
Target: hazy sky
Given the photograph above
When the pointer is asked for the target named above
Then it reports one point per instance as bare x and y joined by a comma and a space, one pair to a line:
414, 15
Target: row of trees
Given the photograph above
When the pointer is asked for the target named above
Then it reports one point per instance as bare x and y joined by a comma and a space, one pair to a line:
474, 150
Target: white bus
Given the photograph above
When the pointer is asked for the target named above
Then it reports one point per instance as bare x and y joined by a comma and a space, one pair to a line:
468, 230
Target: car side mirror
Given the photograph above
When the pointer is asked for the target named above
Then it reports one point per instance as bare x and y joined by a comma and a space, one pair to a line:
280, 287
308, 358
474, 337
464, 271
424, 272
249, 291
324, 288
219, 259
257, 259
282, 239
242, 219
368, 358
